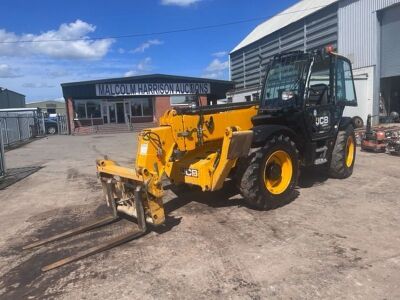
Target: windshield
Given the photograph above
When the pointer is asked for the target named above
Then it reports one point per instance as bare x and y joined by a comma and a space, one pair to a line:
286, 74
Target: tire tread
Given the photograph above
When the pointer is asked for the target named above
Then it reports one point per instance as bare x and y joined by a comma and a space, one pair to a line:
250, 186
338, 168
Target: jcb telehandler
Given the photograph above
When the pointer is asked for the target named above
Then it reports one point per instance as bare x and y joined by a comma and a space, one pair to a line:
297, 122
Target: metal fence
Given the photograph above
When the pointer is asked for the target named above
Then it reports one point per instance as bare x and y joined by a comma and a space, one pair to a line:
2, 160
20, 127
62, 127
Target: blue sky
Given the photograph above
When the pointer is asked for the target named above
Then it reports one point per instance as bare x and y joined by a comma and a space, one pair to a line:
37, 69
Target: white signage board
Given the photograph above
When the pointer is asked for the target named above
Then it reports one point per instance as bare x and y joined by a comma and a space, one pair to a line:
140, 89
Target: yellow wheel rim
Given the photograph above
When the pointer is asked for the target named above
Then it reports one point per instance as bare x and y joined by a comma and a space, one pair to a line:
278, 182
350, 148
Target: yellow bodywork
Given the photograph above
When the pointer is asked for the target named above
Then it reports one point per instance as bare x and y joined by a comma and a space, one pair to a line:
196, 148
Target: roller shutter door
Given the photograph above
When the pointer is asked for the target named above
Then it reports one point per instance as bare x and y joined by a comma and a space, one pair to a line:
390, 42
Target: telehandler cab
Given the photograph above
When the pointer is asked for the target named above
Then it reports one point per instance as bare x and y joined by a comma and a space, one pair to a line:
298, 121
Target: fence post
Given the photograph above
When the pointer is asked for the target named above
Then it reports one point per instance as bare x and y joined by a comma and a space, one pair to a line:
2, 158
19, 128
26, 130
43, 129
58, 125
6, 129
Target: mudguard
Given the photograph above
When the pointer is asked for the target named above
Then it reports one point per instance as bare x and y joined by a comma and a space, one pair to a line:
344, 122
262, 132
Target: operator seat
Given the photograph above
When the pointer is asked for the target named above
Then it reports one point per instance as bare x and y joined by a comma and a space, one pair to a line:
318, 94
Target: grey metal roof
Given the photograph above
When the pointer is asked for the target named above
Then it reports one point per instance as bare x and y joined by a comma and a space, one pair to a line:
290, 15
140, 78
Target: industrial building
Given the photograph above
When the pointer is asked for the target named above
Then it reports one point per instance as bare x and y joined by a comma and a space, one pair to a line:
11, 99
49, 106
365, 31
136, 99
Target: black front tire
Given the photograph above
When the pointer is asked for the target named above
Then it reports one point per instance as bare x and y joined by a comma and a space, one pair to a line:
339, 165
252, 184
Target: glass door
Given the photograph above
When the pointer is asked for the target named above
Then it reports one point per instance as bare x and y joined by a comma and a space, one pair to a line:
112, 113
127, 108
120, 112
104, 111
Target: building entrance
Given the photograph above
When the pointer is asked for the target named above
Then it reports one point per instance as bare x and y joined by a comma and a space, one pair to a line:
120, 113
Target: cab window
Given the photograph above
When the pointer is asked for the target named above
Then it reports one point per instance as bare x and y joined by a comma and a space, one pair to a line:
345, 91
319, 84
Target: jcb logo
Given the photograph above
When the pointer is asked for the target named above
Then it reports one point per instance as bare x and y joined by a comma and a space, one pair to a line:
322, 120
190, 172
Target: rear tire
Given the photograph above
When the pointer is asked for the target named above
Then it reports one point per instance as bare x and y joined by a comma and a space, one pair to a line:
271, 175
358, 122
344, 154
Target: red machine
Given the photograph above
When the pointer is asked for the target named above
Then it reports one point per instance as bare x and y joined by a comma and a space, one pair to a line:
373, 140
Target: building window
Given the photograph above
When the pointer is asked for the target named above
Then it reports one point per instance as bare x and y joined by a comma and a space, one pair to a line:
136, 108
147, 107
85, 109
141, 107
183, 100
256, 97
80, 110
93, 109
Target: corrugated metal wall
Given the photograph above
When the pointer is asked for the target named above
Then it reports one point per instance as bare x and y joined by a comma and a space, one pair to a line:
358, 30
314, 31
10, 99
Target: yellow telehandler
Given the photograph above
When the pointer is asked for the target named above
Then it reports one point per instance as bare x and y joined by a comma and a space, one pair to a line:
298, 121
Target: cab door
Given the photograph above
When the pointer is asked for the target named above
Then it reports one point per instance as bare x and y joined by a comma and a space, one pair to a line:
320, 113
344, 88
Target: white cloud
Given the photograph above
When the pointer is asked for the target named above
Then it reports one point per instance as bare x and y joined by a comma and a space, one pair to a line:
41, 76
147, 45
8, 72
220, 54
130, 73
57, 73
217, 69
35, 85
44, 45
217, 65
182, 3
121, 50
215, 75
143, 66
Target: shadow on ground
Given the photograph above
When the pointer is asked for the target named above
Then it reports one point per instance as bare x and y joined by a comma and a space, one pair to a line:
26, 280
16, 174
312, 176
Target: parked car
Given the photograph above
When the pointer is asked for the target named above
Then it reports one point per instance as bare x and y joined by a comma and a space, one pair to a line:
51, 126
